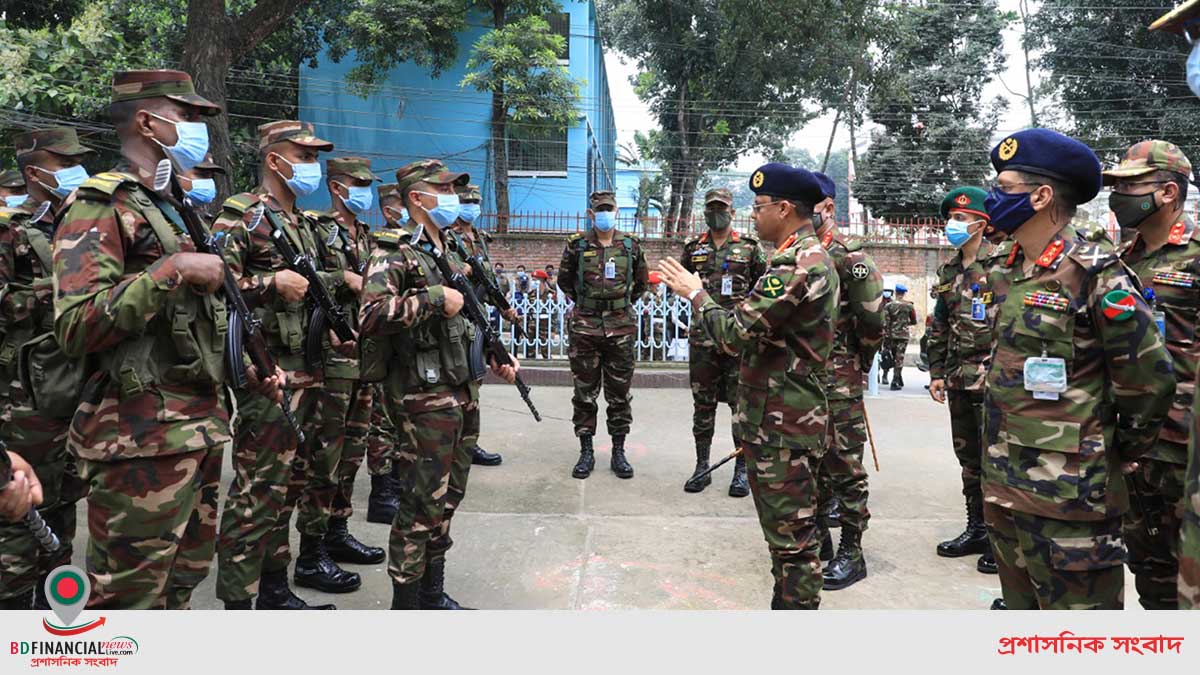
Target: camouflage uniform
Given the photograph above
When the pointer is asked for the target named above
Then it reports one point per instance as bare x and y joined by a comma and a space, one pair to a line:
729, 272
1051, 478
428, 392
152, 420
783, 336
37, 434
899, 315
258, 506
1189, 530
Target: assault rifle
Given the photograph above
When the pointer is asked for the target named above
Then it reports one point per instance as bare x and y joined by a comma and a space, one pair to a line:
495, 295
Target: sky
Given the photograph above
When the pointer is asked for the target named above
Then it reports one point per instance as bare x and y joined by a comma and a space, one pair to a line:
633, 116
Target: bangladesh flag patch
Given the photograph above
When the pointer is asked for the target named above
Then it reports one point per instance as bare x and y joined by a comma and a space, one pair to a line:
1119, 305
772, 286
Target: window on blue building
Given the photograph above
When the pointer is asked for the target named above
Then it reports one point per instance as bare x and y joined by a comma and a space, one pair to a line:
534, 150
560, 23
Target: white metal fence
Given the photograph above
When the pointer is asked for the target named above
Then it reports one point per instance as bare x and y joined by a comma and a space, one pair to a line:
662, 327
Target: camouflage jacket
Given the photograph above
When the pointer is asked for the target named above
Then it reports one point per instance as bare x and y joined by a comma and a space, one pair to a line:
960, 336
402, 305
26, 275
898, 316
603, 307
1057, 455
254, 260
120, 300
740, 258
783, 334
469, 242
1189, 531
1173, 273
339, 251
860, 315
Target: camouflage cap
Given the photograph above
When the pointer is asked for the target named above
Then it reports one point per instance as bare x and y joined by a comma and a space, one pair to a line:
389, 191
1148, 157
468, 193
603, 197
209, 165
722, 195
300, 133
11, 178
59, 140
131, 85
430, 171
355, 167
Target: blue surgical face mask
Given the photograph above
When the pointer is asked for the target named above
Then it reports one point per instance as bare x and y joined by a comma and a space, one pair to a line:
360, 199
605, 220
1008, 211
191, 144
469, 212
13, 201
446, 211
399, 214
1193, 69
203, 191
68, 179
306, 178
958, 232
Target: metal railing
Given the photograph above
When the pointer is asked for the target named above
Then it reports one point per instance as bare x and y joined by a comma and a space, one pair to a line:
662, 321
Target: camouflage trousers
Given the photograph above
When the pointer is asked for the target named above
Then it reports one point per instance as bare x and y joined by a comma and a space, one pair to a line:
152, 528
714, 376
434, 464
1189, 534
369, 434
263, 450
41, 441
784, 490
966, 429
1154, 560
899, 347
841, 473
608, 360
340, 422
1046, 563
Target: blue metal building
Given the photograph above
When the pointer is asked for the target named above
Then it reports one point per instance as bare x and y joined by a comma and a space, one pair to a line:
414, 116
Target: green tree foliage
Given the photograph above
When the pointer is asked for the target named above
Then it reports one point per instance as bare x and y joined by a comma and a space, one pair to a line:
927, 95
386, 32
1120, 82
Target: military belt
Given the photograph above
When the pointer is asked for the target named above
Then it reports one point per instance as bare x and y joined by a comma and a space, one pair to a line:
596, 304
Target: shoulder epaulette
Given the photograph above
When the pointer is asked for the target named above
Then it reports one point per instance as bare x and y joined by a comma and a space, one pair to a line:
241, 203
7, 215
388, 238
852, 243
319, 215
104, 185
573, 237
692, 242
487, 237
1093, 256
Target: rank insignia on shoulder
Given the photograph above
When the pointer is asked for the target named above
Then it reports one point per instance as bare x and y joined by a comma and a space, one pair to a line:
1118, 305
860, 271
1181, 279
944, 288
1044, 300
590, 254
772, 286
699, 257
986, 297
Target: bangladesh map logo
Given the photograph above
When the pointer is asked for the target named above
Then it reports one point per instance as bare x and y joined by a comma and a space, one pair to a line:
67, 590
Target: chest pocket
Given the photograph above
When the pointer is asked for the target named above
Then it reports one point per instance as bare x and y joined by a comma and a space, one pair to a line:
1179, 306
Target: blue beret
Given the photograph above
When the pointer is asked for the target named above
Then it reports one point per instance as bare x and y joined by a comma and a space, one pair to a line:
786, 182
828, 187
1049, 153
901, 288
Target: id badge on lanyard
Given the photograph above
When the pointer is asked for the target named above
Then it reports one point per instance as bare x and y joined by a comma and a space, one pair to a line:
610, 269
1045, 377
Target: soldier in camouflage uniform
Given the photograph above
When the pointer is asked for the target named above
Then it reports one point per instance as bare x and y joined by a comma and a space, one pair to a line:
27, 312
418, 343
135, 297
783, 334
898, 317
200, 185
12, 188
730, 264
258, 507
1078, 388
1149, 190
960, 345
343, 414
602, 272
859, 331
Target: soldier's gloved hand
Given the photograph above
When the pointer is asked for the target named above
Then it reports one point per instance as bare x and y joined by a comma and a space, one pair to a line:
204, 272
507, 373
290, 286
937, 390
510, 315
354, 281
24, 491
452, 303
270, 388
347, 349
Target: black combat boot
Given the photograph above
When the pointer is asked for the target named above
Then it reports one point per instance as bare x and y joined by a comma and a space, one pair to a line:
831, 513
343, 547
987, 563
315, 569
619, 465
738, 485
231, 605
273, 593
484, 458
587, 458
433, 587
23, 601
973, 540
883, 376
826, 544
692, 485
405, 596
999, 603
383, 502
848, 566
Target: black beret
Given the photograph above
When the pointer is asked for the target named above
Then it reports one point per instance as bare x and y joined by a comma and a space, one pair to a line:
828, 187
786, 182
1051, 154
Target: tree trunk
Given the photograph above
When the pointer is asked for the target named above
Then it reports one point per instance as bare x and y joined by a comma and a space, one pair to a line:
206, 57
672, 214
1033, 121
500, 134
687, 199
832, 133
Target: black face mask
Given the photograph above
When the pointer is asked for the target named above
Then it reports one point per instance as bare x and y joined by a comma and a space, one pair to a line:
1132, 210
718, 220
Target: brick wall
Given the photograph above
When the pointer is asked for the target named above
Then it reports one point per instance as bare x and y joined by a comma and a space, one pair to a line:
913, 265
